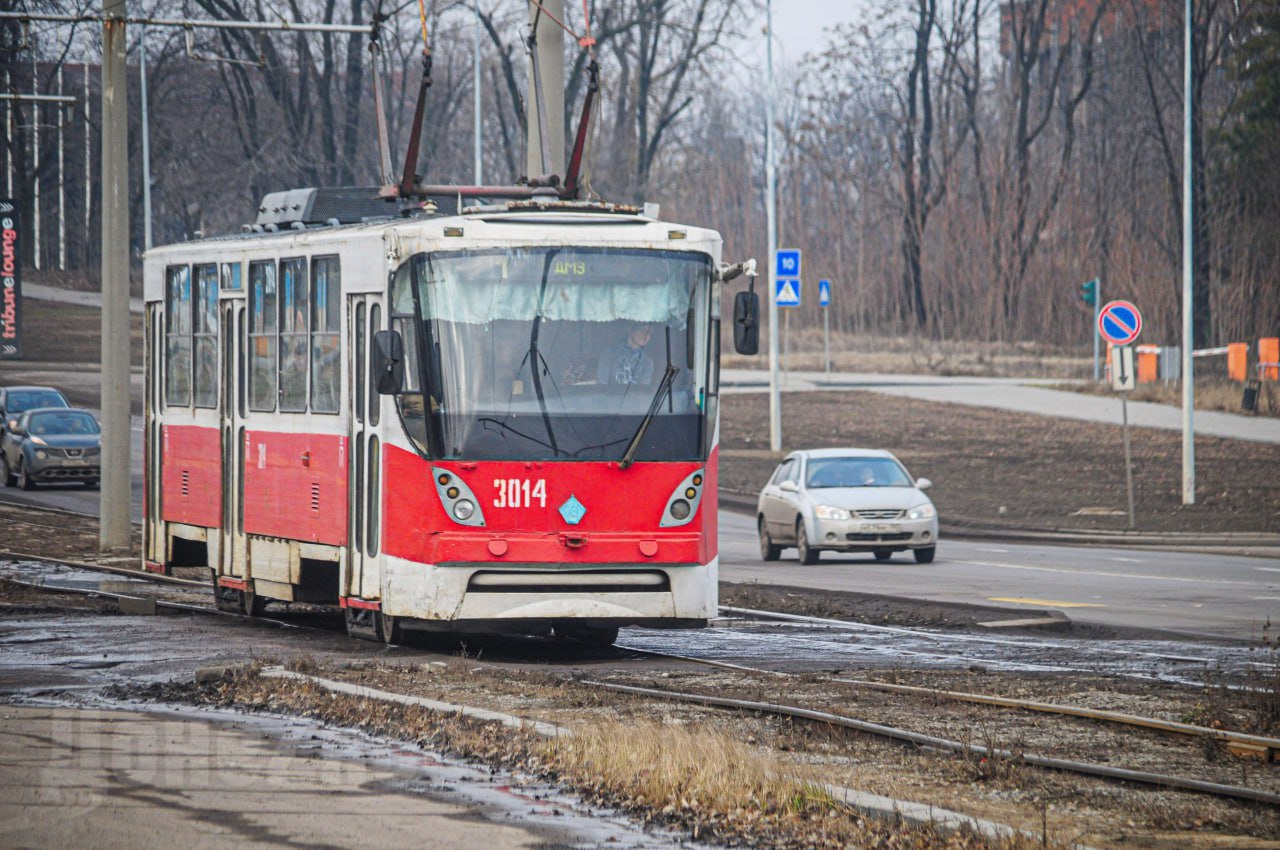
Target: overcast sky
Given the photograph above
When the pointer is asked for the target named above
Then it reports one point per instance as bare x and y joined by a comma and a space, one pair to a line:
799, 26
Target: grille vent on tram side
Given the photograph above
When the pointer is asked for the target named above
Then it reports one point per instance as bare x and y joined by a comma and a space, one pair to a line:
315, 496
186, 483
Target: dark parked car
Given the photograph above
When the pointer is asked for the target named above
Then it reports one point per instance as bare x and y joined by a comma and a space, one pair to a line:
16, 400
52, 444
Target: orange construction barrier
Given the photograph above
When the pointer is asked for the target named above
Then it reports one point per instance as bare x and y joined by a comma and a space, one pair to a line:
1148, 365
1238, 361
1269, 352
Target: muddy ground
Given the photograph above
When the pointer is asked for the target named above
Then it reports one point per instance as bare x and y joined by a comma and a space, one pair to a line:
1013, 470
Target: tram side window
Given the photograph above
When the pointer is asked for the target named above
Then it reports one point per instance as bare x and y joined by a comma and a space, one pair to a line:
262, 336
177, 308
206, 336
293, 334
326, 313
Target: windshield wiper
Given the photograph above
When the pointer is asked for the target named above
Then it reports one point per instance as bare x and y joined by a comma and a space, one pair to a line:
664, 387
536, 355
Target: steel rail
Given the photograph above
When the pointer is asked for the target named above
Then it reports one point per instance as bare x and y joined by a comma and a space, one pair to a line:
130, 572
932, 742
1242, 743
159, 603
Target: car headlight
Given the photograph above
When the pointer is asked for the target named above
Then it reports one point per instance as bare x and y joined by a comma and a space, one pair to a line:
463, 509
828, 512
925, 511
39, 441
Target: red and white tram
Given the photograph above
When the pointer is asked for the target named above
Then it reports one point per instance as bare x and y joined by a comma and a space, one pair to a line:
425, 420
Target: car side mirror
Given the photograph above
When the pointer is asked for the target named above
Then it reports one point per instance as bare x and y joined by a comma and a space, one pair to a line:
746, 322
789, 486
18, 431
923, 483
386, 362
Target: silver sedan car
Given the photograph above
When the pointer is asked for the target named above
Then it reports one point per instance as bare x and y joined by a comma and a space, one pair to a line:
846, 500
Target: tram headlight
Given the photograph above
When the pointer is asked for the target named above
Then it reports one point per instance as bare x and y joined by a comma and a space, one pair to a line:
680, 509
463, 509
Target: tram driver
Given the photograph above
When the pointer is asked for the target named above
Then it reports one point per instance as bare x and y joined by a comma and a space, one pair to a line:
626, 362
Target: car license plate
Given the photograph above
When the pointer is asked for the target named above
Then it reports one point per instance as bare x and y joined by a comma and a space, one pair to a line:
73, 462
879, 526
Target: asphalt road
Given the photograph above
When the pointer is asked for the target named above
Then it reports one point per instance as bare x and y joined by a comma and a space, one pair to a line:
1221, 596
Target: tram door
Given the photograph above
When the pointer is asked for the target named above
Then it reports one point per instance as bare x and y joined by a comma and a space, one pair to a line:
232, 551
364, 316
153, 528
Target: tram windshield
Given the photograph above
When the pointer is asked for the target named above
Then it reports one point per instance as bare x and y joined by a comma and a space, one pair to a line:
557, 353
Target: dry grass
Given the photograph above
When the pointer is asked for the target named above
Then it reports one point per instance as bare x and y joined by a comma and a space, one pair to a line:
691, 769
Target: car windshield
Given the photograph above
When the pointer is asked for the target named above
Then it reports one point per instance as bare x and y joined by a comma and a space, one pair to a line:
31, 399
559, 353
855, 472
69, 422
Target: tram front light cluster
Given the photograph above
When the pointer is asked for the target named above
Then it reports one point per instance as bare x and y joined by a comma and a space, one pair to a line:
683, 502
456, 498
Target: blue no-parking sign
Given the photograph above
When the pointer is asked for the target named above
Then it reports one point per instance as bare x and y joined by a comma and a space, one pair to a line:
787, 292
1119, 322
824, 293
786, 263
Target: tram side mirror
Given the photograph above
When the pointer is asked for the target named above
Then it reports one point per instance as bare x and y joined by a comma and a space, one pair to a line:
387, 362
746, 323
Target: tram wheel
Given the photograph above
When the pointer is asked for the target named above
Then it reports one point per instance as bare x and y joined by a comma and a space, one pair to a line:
252, 604
390, 628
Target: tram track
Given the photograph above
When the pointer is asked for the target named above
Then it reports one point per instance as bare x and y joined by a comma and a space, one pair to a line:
1239, 743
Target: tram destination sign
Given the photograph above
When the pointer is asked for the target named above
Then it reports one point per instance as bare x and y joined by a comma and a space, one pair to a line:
10, 281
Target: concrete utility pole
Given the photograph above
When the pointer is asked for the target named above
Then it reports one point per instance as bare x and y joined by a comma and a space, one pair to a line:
546, 93
477, 102
114, 528
1188, 272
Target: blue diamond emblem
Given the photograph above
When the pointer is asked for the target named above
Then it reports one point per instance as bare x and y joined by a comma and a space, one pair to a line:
573, 511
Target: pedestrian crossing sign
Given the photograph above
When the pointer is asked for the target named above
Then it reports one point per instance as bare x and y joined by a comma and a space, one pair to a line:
787, 293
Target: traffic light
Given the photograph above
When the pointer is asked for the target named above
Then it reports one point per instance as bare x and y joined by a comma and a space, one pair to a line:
1089, 292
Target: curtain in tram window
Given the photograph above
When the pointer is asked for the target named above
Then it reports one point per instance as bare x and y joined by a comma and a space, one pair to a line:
582, 286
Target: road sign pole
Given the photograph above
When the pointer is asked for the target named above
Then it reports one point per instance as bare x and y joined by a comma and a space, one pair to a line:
1128, 461
786, 346
826, 338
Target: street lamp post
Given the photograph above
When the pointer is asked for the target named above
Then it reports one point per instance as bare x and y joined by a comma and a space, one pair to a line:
771, 214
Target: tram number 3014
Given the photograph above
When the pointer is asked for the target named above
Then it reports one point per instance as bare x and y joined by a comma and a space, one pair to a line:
519, 492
